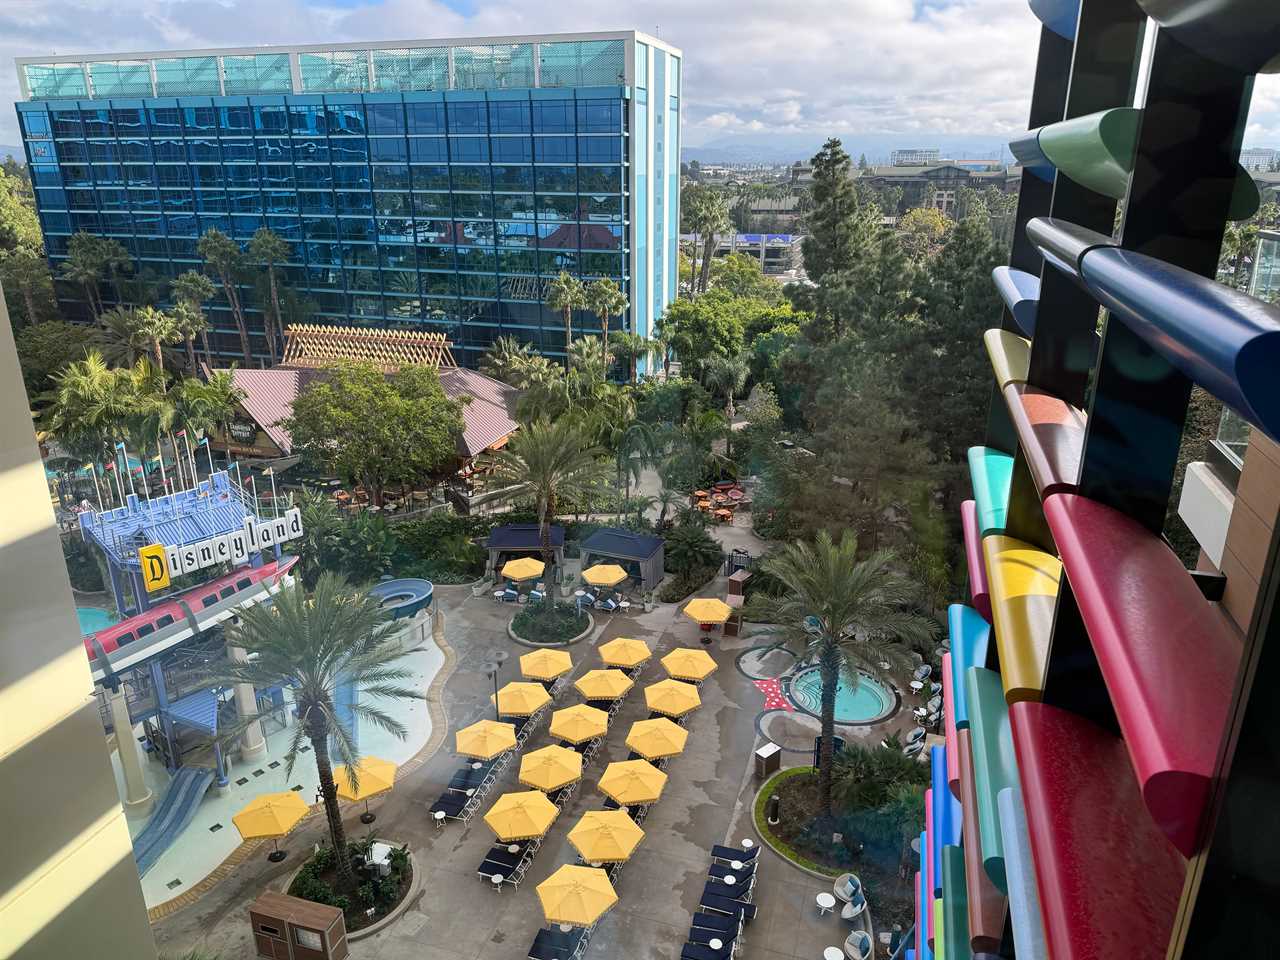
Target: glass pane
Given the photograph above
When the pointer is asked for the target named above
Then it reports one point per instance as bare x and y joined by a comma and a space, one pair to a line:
53, 81
259, 73
424, 68
584, 63
187, 76
1233, 435
120, 78
345, 71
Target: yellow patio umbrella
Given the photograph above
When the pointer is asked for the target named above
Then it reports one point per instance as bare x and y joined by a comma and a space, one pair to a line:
375, 775
269, 817
604, 575
672, 697
521, 816
577, 723
523, 568
576, 895
689, 663
606, 836
550, 768
604, 684
632, 781
520, 699
657, 738
545, 664
486, 739
625, 652
708, 610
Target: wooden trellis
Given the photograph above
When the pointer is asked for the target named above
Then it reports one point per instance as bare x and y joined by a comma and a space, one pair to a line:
322, 345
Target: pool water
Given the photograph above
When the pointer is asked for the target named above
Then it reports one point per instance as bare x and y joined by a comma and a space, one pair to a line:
867, 702
93, 619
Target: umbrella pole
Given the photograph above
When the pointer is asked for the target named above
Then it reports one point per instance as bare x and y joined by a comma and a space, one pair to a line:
276, 854
367, 817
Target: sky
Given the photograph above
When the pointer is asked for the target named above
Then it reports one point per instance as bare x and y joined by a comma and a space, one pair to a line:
754, 71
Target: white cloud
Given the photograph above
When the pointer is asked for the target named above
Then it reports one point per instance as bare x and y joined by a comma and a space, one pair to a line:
751, 66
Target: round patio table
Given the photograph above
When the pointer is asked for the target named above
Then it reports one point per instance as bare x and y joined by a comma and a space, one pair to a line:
715, 943
747, 843
513, 848
825, 901
700, 494
735, 865
730, 879
833, 953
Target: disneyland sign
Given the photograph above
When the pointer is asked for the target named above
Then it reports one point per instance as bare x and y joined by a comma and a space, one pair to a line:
234, 548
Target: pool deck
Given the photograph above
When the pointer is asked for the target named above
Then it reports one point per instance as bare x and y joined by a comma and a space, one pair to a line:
707, 801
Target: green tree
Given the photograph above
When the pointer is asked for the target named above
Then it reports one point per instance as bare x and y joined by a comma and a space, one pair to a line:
872, 297
119, 337
270, 249
566, 294
156, 328
552, 462
727, 376
224, 256
90, 404
705, 214
315, 644
375, 429
629, 348
45, 349
28, 287
689, 549
191, 291
741, 275
19, 225
701, 329
221, 401
507, 359
922, 231
849, 615
90, 261
604, 299
832, 243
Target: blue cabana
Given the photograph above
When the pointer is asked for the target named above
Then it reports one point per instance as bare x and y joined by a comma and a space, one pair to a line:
640, 555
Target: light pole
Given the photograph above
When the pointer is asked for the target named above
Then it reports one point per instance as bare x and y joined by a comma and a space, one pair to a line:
492, 667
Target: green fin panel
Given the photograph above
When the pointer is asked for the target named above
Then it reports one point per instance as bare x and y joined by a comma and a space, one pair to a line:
994, 764
990, 472
955, 905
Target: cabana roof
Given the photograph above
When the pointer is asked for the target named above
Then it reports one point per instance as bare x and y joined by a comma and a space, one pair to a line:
614, 542
523, 536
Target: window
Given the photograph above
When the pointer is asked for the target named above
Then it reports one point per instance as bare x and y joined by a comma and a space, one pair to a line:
257, 73
387, 150
428, 150
145, 629
599, 116
338, 71
468, 149
227, 591
351, 177
35, 125
509, 116
165, 120
513, 178
557, 179
391, 177
555, 150
271, 119
126, 637
345, 119
553, 116
432, 204
600, 179
236, 121
164, 621
424, 68
467, 117
385, 118
583, 63
66, 123
349, 149
512, 149
429, 178
425, 117
470, 178
600, 149
307, 121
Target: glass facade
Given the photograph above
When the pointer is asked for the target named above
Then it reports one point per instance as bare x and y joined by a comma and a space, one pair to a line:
448, 209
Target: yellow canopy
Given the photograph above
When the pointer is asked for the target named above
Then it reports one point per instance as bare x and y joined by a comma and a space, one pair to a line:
550, 768
270, 815
374, 774
708, 610
604, 684
576, 895
486, 739
605, 836
604, 575
579, 722
545, 664
520, 699
689, 663
521, 816
632, 781
523, 568
624, 652
672, 697
657, 738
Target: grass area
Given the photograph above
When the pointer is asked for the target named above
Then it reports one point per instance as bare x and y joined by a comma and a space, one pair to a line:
546, 622
771, 787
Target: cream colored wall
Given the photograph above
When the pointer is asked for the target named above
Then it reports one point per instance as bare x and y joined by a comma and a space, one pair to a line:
68, 885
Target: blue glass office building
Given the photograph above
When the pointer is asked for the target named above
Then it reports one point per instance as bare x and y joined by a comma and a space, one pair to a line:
434, 183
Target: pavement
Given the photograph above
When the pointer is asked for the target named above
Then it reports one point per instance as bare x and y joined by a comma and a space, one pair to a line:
456, 916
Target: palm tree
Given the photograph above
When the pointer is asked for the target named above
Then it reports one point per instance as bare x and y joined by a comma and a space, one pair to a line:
226, 259
222, 399
706, 213
727, 376
506, 359
849, 615
90, 402
629, 348
194, 289
666, 499
120, 338
552, 462
189, 321
566, 294
27, 272
605, 300
85, 266
270, 249
157, 328
313, 644
587, 359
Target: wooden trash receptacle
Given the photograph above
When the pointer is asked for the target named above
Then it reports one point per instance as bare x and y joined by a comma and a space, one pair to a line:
288, 928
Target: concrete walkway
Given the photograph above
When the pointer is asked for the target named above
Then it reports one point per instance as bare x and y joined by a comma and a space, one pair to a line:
707, 801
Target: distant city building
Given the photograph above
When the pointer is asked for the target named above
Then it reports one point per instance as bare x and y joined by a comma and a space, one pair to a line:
936, 186
433, 184
777, 253
1259, 158
920, 157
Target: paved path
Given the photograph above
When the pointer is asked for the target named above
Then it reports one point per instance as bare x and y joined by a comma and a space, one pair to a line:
457, 916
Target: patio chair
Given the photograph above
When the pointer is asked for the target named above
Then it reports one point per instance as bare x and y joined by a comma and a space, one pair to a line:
451, 804
854, 908
730, 854
611, 804
699, 951
922, 672
553, 944
720, 870
538, 593
846, 886
716, 923
859, 945
608, 605
717, 903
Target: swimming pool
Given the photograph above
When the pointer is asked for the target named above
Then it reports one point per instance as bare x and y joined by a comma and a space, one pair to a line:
866, 703
93, 619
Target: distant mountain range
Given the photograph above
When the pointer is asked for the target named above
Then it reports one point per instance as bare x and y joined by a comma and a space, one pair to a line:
767, 148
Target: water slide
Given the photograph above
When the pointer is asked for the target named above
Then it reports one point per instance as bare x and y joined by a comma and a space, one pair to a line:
171, 817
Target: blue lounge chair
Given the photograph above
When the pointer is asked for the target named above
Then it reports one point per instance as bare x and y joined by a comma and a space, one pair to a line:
730, 854
698, 951
715, 922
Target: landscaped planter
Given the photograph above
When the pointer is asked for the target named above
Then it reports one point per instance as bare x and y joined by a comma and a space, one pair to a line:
408, 894
568, 642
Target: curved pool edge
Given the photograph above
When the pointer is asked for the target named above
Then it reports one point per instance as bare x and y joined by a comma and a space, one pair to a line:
893, 700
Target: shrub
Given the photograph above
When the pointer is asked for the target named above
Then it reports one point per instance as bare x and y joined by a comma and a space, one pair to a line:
690, 547
678, 587
546, 622
83, 566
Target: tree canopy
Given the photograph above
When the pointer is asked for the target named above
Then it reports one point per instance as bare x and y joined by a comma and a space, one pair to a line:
375, 429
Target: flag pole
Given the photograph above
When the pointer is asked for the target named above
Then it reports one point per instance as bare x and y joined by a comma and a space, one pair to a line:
209, 450
270, 471
115, 472
93, 470
191, 460
124, 452
146, 487
254, 487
